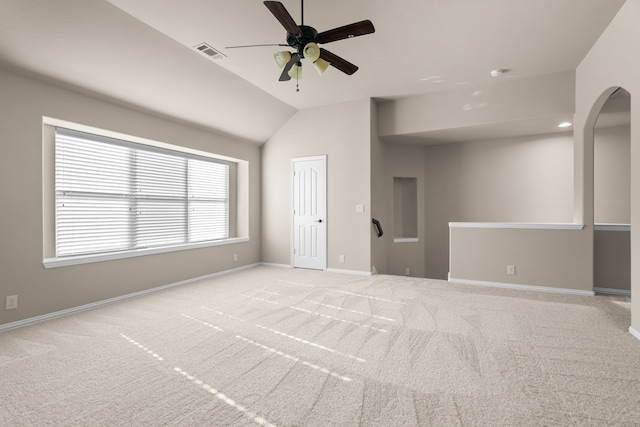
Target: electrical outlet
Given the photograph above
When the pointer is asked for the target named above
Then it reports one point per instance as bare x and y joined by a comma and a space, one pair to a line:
235, 257
341, 258
11, 302
511, 270
406, 271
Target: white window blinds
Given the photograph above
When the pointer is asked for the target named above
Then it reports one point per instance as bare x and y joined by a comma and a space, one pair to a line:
114, 195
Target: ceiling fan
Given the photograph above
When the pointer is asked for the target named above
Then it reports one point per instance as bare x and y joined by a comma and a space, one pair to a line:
305, 39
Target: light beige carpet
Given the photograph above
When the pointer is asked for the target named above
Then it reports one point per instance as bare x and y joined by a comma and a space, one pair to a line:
271, 346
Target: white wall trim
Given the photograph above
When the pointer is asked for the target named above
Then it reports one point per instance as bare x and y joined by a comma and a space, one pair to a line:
522, 287
633, 332
72, 310
270, 264
328, 270
612, 291
86, 259
405, 239
612, 227
352, 272
517, 225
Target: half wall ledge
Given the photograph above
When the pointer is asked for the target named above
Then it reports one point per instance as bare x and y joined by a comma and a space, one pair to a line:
517, 225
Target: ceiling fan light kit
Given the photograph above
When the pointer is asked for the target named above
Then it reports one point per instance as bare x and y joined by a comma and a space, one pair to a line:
311, 52
305, 39
282, 58
295, 72
321, 65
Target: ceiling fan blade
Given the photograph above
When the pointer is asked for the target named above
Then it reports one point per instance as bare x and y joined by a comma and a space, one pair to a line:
255, 45
285, 71
281, 14
338, 62
352, 30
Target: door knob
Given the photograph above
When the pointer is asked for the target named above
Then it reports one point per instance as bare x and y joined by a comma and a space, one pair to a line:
318, 220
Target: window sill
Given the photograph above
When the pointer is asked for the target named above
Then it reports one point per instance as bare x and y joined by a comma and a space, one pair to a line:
85, 259
405, 239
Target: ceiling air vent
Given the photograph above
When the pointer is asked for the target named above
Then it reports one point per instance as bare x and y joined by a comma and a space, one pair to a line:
208, 51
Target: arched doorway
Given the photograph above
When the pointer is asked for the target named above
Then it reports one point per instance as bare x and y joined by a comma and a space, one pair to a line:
612, 195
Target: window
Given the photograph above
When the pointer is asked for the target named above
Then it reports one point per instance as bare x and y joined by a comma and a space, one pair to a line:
113, 195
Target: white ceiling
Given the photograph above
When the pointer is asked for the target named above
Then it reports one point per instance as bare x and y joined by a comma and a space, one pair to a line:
146, 56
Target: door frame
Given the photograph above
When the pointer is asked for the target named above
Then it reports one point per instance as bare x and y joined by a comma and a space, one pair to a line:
322, 157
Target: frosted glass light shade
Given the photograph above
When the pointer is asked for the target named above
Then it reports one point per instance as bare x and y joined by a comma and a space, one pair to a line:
321, 65
295, 72
282, 58
311, 52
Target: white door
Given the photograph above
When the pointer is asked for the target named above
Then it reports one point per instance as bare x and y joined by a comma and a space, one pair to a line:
309, 212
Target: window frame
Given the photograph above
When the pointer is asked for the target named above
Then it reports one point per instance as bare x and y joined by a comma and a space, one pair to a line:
50, 260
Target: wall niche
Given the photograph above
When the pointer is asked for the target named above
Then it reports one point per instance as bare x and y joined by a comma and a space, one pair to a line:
405, 208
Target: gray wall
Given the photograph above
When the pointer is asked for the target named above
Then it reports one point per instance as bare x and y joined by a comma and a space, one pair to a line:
40, 291
524, 179
406, 161
612, 175
381, 187
549, 258
612, 260
468, 110
343, 133
520, 179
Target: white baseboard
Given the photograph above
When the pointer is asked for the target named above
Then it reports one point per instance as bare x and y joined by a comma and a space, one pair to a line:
633, 332
352, 272
270, 264
612, 291
522, 287
72, 310
328, 270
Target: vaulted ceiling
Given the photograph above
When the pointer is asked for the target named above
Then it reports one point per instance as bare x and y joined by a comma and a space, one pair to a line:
143, 52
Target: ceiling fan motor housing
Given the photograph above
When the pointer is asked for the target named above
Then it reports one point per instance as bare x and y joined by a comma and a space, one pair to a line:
299, 41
